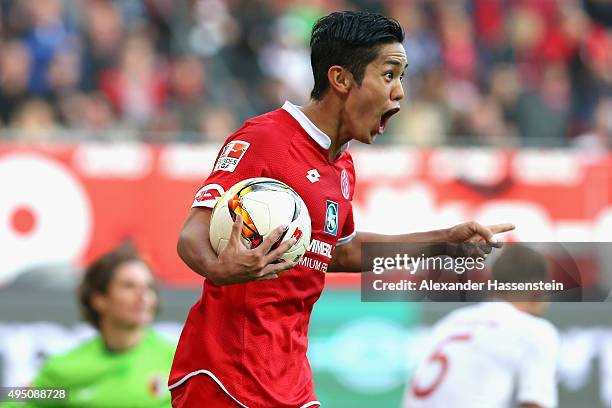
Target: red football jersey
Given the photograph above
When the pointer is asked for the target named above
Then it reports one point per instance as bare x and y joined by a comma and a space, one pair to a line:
251, 338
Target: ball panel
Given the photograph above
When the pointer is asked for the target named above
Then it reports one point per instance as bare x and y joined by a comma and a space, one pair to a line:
221, 221
300, 229
259, 214
280, 204
250, 231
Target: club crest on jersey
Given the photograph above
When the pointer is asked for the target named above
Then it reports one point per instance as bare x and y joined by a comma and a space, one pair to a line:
231, 155
344, 184
331, 218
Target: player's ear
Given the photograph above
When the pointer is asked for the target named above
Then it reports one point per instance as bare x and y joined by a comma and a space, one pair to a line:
98, 302
340, 79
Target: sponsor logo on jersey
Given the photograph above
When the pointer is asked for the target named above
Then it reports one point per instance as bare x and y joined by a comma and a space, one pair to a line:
208, 195
321, 248
344, 184
231, 155
315, 264
331, 217
313, 175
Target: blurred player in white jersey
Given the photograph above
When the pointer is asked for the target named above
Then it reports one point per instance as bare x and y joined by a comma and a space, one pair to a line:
496, 354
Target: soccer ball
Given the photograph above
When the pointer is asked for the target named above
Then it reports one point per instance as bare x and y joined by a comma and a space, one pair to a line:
264, 204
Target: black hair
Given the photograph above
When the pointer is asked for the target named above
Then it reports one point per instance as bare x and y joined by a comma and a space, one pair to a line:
350, 39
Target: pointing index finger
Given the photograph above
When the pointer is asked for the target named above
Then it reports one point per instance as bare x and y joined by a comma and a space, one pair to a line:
499, 228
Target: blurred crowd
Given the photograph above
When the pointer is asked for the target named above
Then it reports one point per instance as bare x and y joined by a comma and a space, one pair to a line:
493, 72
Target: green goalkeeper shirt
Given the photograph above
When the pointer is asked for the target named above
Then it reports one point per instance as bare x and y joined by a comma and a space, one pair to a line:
97, 377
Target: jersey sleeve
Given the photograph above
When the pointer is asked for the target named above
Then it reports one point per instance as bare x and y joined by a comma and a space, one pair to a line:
537, 382
348, 229
249, 153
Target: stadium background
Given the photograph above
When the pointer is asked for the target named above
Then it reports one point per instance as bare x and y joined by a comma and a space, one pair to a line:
111, 113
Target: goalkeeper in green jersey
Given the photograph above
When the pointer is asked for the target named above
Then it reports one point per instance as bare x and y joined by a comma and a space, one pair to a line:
127, 364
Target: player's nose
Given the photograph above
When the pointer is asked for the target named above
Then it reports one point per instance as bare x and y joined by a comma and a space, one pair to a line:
397, 93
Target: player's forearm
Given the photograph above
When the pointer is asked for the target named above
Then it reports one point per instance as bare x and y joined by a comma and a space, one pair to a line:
347, 258
193, 256
194, 246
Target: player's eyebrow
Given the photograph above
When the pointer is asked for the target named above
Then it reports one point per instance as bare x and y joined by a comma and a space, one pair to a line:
395, 62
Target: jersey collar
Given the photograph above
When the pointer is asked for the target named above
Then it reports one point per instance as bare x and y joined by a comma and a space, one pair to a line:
313, 131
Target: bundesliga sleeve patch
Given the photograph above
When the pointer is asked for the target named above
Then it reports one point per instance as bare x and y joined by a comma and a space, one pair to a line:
231, 155
207, 196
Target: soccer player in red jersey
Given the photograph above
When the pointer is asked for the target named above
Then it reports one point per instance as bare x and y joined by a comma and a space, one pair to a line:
244, 343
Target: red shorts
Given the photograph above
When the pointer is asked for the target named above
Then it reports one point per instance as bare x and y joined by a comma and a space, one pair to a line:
201, 391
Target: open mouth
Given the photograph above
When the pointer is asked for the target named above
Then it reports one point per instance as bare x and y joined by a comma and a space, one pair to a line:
384, 119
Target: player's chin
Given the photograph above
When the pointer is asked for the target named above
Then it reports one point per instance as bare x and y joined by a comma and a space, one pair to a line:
372, 136
366, 136
142, 318
369, 137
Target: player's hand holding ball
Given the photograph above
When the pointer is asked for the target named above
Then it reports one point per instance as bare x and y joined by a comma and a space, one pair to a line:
259, 228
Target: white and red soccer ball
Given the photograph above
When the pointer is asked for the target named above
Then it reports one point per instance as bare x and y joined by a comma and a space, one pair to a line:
264, 204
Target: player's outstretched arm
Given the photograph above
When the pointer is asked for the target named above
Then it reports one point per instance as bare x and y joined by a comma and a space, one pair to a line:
347, 258
236, 263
